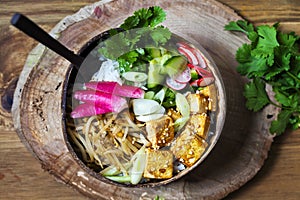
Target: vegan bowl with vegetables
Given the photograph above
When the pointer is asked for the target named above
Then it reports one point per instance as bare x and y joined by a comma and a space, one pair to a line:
151, 109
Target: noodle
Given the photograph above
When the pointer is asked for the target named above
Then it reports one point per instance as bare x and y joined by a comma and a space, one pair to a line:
84, 142
130, 122
108, 140
120, 165
125, 133
107, 124
78, 144
131, 146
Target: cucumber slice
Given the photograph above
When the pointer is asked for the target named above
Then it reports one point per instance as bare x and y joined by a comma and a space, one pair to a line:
154, 52
174, 66
154, 77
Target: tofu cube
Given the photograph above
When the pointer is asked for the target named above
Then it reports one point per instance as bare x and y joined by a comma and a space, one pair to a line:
188, 148
160, 132
210, 93
159, 164
174, 114
198, 103
199, 124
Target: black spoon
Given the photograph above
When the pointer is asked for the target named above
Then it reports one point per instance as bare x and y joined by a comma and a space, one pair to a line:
33, 30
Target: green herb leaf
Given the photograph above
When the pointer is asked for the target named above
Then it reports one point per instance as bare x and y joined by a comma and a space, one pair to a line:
158, 16
256, 67
130, 22
266, 43
256, 95
267, 39
115, 46
125, 61
169, 100
240, 25
295, 120
273, 57
287, 40
282, 98
143, 17
243, 54
253, 36
160, 35
141, 29
279, 125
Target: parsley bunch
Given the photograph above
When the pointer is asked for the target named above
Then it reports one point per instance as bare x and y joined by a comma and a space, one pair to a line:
272, 58
138, 30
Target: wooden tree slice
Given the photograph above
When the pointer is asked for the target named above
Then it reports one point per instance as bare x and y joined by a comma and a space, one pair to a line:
13, 44
38, 111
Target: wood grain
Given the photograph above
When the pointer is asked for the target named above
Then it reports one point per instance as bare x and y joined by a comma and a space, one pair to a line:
21, 176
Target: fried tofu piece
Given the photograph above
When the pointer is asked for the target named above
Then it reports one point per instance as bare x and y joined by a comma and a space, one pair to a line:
160, 132
159, 164
188, 148
210, 93
199, 124
174, 114
205, 91
198, 103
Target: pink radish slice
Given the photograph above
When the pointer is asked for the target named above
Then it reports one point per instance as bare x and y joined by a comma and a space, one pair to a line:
174, 84
106, 101
86, 110
200, 58
183, 44
204, 81
193, 54
207, 81
105, 86
184, 77
202, 72
116, 89
129, 91
188, 54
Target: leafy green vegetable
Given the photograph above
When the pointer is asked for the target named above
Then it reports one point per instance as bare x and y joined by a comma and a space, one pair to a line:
272, 58
256, 95
126, 60
169, 100
160, 35
240, 25
140, 30
279, 125
144, 18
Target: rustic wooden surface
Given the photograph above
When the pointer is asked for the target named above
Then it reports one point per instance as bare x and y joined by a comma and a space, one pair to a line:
21, 176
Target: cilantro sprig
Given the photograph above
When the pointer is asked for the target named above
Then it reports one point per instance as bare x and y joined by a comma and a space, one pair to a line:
143, 17
272, 57
143, 27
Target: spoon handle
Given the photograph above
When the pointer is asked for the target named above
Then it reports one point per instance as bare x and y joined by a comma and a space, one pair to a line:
33, 30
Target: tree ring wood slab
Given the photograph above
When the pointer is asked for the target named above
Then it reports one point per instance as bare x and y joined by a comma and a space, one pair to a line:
37, 110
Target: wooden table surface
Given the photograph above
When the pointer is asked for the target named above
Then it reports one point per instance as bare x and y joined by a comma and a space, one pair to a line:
21, 176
